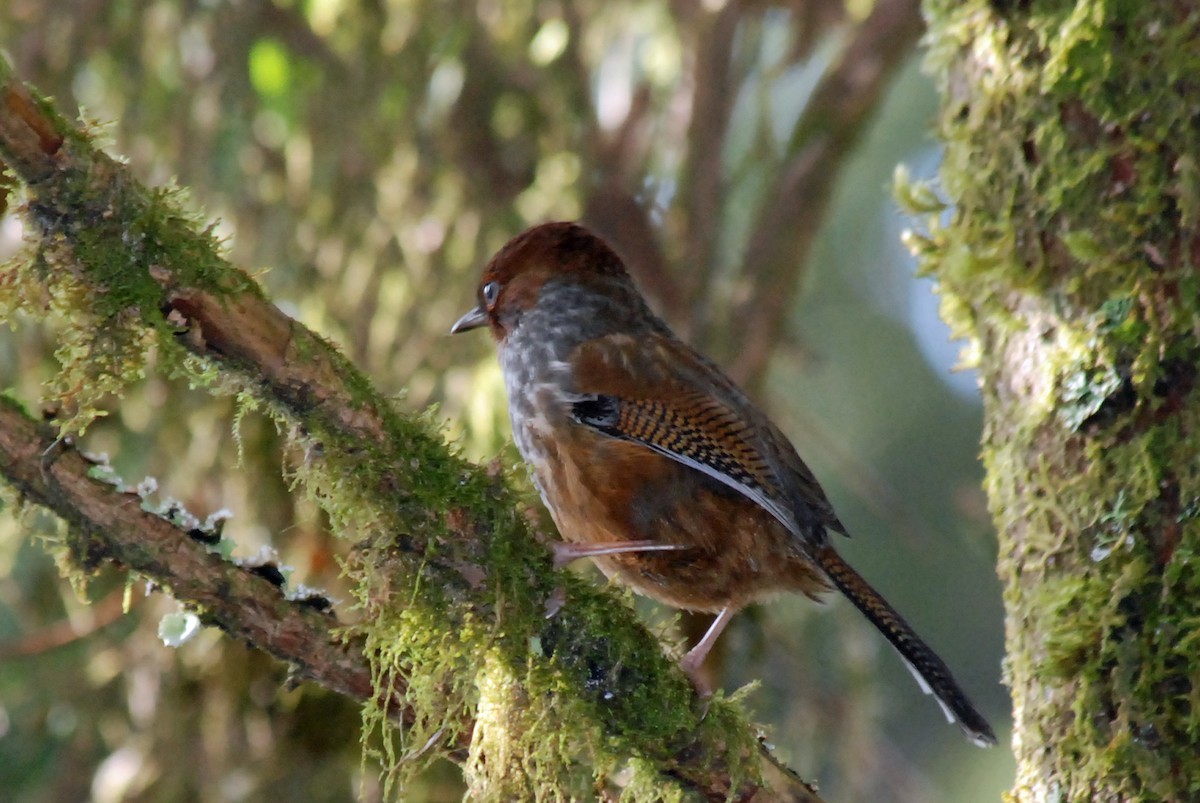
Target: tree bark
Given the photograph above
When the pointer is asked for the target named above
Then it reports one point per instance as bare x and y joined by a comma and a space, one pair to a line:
1068, 262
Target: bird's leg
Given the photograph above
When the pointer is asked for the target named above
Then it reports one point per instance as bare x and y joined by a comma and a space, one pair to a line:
690, 664
565, 552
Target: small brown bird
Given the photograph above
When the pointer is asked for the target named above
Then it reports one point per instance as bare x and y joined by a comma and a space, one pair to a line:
653, 463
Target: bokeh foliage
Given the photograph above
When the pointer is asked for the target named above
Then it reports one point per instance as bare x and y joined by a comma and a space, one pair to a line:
338, 142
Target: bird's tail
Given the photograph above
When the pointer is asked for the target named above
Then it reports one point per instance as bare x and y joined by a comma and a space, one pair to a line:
929, 670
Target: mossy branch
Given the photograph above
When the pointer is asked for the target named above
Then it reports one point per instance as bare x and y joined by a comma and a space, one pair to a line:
536, 681
112, 526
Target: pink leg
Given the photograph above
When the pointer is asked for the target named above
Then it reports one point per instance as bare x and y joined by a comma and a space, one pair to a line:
565, 552
695, 656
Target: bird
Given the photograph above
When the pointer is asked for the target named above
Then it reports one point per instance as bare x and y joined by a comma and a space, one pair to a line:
654, 463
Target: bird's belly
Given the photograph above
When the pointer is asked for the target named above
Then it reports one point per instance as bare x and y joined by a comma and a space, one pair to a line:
730, 550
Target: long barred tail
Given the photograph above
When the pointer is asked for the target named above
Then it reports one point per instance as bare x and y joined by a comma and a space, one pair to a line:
930, 671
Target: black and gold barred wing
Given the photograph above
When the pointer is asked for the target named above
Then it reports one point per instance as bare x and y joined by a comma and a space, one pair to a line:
657, 392
695, 431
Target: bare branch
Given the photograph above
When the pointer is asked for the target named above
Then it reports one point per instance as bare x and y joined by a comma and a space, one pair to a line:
712, 103
792, 211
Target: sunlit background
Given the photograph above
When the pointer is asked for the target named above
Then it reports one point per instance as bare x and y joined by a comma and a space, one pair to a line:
363, 161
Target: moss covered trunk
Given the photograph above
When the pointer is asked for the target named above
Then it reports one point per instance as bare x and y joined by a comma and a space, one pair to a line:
1072, 135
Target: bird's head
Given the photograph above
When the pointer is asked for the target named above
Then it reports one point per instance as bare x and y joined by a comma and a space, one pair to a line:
512, 281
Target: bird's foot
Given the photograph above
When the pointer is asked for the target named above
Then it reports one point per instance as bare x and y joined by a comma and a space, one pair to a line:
566, 552
692, 664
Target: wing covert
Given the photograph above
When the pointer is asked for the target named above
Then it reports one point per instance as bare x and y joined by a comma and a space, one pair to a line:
696, 431
645, 390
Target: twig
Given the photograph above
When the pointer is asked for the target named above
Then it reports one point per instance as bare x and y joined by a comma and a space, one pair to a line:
64, 631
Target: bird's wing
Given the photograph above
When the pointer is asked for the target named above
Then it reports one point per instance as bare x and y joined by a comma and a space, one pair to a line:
658, 392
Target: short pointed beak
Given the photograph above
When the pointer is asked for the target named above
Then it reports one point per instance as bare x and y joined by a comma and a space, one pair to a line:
472, 320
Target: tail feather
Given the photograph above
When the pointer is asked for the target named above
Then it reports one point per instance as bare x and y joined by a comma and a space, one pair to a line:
930, 671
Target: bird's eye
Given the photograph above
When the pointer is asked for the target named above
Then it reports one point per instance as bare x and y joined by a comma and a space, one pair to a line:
491, 291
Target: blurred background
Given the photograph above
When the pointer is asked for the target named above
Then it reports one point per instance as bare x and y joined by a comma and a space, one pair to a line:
363, 159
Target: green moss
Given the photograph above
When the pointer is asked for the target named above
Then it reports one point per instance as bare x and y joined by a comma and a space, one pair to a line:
101, 236
1065, 259
457, 621
1055, 120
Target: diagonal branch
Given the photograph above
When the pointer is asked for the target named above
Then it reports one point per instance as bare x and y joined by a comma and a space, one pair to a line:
791, 213
431, 520
49, 472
